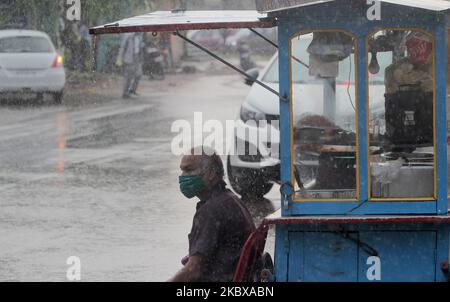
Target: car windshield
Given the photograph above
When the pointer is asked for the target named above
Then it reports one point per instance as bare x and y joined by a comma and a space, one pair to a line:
346, 71
25, 44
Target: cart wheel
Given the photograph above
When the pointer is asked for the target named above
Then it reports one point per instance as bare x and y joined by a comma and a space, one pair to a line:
58, 98
264, 269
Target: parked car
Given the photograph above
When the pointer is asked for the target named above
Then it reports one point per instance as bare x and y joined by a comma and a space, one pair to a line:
256, 44
211, 39
255, 174
30, 66
232, 40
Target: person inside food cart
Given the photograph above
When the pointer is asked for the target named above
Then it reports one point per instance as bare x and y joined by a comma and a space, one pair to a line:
416, 68
409, 95
408, 116
328, 129
221, 224
318, 139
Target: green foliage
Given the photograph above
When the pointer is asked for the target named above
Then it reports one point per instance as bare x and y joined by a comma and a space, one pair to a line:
32, 11
45, 15
50, 16
96, 12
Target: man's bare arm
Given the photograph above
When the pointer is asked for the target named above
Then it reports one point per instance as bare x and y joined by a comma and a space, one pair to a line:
191, 272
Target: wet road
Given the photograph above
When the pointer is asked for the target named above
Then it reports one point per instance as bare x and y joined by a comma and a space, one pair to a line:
96, 179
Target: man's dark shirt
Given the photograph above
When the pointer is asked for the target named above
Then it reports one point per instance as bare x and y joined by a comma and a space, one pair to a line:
220, 228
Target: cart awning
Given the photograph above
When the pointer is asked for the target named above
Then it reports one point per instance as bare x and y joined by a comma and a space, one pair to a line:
187, 20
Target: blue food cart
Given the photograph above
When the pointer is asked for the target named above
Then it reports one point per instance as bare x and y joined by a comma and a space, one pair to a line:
363, 137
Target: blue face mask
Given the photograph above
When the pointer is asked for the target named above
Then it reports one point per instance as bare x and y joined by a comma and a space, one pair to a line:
191, 185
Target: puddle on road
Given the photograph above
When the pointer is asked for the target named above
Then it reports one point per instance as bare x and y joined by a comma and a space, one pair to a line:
120, 129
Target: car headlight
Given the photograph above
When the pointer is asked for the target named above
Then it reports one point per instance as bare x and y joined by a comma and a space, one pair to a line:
251, 114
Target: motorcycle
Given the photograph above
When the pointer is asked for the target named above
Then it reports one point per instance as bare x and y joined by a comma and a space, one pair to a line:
154, 63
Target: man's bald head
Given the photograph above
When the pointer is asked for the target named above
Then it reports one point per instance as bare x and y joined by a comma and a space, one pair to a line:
203, 160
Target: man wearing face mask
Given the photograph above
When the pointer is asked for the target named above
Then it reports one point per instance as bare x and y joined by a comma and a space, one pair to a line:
221, 224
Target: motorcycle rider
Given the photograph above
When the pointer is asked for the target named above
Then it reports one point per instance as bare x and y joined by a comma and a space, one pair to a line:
246, 60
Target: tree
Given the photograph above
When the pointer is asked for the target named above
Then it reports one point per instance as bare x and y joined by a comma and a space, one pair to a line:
46, 15
50, 16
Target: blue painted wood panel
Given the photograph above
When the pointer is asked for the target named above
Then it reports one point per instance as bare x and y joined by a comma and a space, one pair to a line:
404, 256
329, 256
324, 257
281, 253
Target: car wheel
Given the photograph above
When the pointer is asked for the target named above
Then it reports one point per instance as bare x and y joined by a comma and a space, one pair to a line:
39, 98
160, 72
249, 183
58, 97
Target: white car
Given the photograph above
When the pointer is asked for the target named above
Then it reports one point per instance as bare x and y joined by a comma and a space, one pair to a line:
30, 65
253, 175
